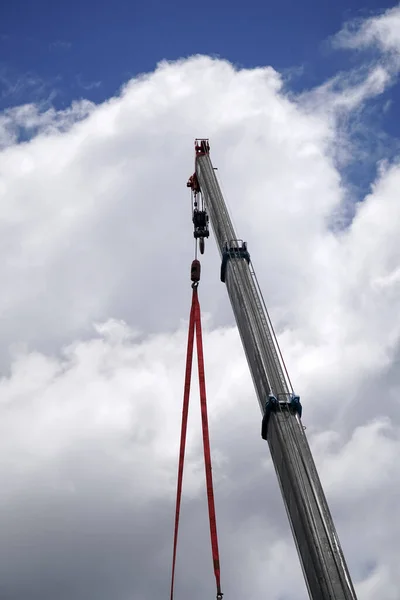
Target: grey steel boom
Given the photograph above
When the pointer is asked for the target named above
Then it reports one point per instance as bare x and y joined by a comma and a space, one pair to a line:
324, 567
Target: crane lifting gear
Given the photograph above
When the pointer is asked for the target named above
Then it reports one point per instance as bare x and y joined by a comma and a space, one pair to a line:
199, 215
195, 324
195, 271
200, 221
321, 556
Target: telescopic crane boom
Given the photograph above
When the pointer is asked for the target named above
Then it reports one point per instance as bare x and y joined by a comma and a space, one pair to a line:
322, 560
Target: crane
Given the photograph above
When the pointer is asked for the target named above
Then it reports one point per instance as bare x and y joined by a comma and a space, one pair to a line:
323, 564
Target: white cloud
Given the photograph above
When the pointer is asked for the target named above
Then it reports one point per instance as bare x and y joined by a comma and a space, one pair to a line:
95, 227
344, 93
30, 120
382, 30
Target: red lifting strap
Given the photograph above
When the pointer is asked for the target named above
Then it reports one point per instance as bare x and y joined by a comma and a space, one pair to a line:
195, 323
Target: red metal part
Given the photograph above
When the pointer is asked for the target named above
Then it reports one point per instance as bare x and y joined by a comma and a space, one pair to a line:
195, 271
193, 183
202, 147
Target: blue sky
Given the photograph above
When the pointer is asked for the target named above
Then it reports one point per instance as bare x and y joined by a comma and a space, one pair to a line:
87, 48
59, 52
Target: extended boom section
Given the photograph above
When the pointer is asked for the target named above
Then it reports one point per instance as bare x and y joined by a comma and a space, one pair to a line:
322, 560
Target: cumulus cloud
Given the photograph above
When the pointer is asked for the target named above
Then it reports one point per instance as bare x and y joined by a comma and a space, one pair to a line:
96, 240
